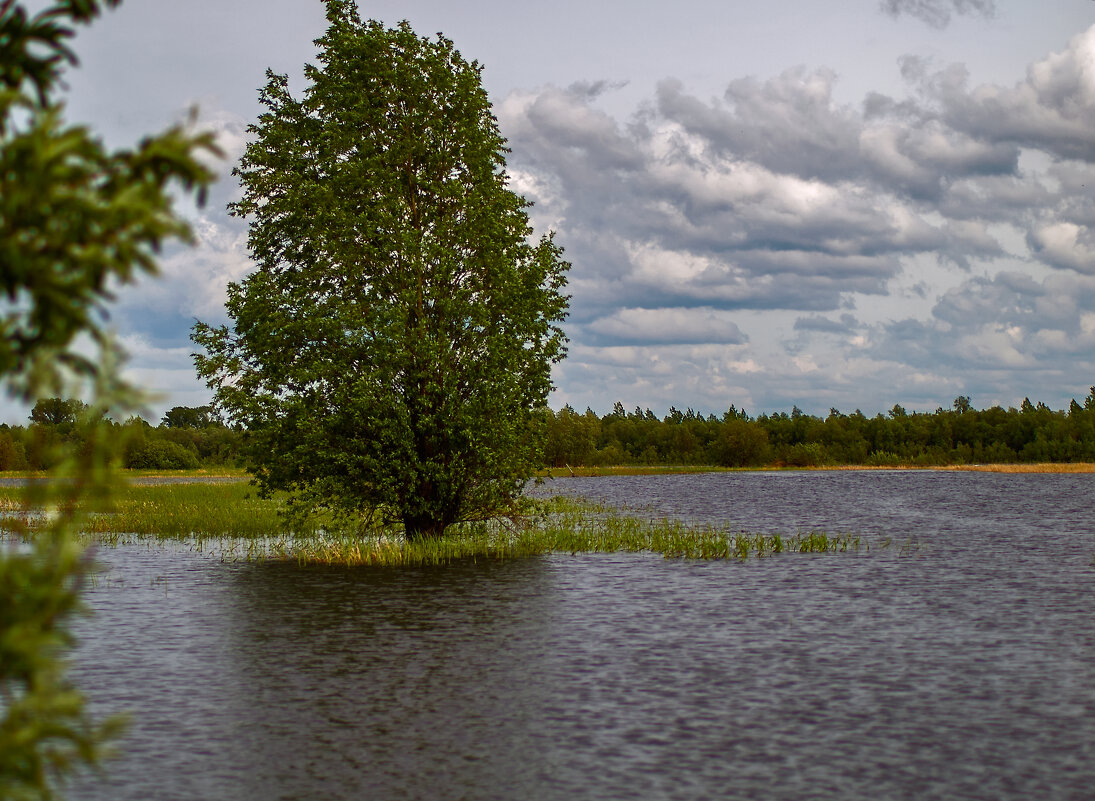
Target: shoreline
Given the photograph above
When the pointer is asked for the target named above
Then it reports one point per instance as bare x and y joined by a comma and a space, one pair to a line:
239, 474
644, 470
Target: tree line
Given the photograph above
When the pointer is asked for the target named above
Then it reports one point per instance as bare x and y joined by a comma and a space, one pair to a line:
186, 438
960, 435
193, 437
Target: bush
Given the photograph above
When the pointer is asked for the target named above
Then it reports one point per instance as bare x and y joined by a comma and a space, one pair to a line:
162, 455
884, 459
806, 454
740, 444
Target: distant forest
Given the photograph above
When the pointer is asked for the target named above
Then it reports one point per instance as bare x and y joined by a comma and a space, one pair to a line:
186, 438
961, 435
193, 437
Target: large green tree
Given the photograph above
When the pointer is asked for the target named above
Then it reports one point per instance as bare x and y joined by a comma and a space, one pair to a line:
74, 218
388, 352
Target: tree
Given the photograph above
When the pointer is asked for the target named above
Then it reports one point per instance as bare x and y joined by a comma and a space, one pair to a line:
740, 443
74, 218
191, 417
56, 411
389, 350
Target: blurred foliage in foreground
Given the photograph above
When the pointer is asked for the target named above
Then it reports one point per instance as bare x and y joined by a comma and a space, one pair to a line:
75, 220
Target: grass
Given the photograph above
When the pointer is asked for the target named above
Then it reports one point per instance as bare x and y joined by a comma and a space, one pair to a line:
563, 525
649, 470
174, 511
1033, 467
232, 520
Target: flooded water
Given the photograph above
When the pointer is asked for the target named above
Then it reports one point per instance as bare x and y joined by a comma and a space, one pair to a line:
959, 662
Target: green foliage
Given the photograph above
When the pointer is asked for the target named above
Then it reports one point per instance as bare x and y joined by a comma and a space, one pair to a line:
191, 417
391, 349
56, 411
571, 438
739, 443
1033, 433
57, 429
44, 729
12, 453
162, 455
74, 219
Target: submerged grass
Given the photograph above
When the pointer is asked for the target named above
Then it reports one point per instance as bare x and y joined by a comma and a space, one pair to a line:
231, 520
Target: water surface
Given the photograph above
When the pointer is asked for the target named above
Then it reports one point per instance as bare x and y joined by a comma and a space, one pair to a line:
957, 663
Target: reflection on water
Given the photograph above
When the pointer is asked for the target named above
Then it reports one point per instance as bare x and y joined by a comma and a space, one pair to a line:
961, 667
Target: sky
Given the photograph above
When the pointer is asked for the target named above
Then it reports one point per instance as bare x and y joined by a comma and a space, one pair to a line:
826, 204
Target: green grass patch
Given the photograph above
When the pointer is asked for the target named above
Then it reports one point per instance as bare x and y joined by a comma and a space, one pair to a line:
232, 520
171, 511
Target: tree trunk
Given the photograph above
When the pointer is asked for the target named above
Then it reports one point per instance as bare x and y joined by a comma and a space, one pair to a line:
419, 526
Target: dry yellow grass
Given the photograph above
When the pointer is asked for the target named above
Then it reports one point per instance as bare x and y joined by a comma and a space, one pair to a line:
1038, 467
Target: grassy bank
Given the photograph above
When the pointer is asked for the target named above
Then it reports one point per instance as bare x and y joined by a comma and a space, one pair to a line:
652, 470
231, 519
1040, 467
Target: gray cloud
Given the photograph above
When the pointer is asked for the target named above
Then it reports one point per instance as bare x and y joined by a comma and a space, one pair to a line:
756, 220
1007, 322
847, 324
1052, 109
671, 208
1064, 245
673, 326
938, 13
778, 182
789, 124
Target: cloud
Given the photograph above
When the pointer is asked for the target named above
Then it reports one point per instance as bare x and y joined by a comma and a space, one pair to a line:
165, 372
193, 279
845, 325
1052, 109
774, 244
1001, 324
665, 326
664, 205
776, 228
705, 376
789, 123
772, 197
937, 13
1064, 245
